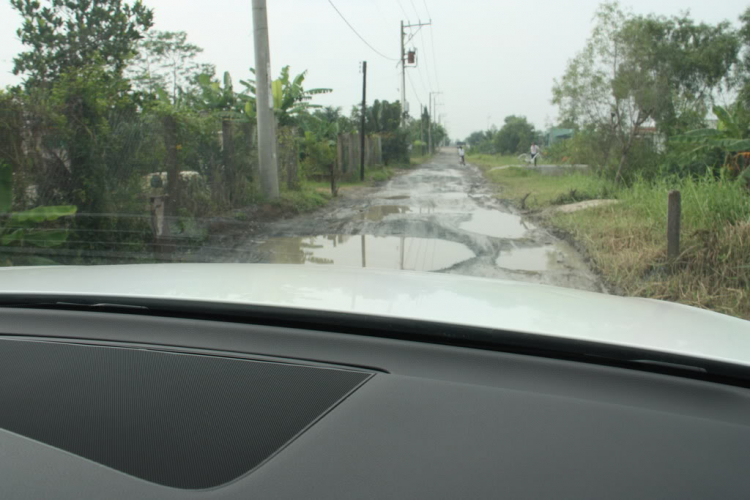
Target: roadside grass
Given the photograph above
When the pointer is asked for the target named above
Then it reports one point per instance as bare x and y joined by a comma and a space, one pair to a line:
531, 189
491, 161
314, 194
627, 241
417, 160
306, 199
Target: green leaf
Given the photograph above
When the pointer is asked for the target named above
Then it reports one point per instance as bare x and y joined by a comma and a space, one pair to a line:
250, 109
277, 88
42, 214
6, 188
47, 239
17, 235
727, 122
703, 132
204, 80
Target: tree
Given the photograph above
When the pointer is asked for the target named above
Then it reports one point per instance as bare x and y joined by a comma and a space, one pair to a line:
79, 49
384, 118
635, 69
745, 61
515, 136
477, 138
290, 99
165, 60
732, 136
68, 34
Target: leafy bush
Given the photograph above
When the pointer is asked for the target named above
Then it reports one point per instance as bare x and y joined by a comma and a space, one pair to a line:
396, 147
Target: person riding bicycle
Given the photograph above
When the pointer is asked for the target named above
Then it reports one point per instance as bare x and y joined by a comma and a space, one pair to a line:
534, 152
461, 154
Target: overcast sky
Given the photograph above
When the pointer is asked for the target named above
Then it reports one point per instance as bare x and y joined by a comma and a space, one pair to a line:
491, 58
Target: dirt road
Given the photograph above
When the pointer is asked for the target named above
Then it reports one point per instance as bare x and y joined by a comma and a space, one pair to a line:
441, 217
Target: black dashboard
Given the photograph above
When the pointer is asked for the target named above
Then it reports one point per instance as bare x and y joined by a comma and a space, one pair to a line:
130, 406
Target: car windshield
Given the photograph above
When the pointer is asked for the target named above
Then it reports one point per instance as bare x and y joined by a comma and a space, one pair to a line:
598, 146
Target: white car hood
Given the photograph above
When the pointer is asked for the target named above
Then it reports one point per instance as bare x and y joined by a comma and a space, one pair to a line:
512, 306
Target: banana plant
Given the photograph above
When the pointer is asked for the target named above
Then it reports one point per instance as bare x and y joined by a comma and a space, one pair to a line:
730, 136
23, 228
218, 98
290, 99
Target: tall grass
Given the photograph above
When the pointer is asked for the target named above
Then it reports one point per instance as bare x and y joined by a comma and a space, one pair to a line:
627, 242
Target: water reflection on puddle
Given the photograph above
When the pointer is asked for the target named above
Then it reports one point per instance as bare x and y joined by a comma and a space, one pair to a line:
388, 252
497, 224
553, 257
380, 212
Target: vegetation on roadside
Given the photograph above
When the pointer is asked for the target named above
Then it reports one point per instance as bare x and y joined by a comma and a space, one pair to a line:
494, 161
112, 114
641, 99
627, 240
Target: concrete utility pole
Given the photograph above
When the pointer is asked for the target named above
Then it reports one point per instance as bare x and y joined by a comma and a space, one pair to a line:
403, 76
404, 41
267, 157
362, 130
431, 119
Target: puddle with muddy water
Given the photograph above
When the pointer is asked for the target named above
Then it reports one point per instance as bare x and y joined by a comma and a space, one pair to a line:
379, 212
382, 252
496, 224
557, 257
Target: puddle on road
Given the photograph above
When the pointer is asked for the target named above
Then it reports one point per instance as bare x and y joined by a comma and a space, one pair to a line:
559, 256
382, 252
496, 224
403, 197
380, 212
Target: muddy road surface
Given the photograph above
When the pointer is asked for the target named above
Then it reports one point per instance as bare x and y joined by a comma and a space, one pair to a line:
441, 217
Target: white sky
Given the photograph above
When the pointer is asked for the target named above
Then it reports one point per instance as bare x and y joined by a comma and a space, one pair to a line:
492, 58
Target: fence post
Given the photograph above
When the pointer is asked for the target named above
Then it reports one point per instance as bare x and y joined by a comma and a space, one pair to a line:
159, 224
227, 153
339, 152
292, 161
251, 137
353, 156
366, 152
674, 215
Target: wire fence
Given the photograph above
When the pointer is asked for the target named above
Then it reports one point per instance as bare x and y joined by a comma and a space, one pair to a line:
144, 184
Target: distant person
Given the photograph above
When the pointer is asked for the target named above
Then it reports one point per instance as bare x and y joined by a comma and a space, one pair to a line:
534, 152
461, 154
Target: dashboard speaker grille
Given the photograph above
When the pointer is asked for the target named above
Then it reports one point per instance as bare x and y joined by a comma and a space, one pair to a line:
180, 420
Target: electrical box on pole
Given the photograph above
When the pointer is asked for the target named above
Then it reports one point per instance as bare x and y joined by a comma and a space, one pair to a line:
410, 58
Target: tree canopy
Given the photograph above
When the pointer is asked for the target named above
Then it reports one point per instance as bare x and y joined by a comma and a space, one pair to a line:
71, 34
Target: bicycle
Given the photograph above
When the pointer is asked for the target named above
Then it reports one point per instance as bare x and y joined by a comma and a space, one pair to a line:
527, 158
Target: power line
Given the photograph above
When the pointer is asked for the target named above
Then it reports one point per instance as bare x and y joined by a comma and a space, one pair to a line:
414, 89
406, 16
434, 59
421, 79
424, 49
415, 9
360, 36
427, 9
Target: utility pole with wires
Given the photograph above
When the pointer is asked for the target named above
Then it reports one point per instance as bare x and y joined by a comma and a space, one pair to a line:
362, 131
269, 171
409, 58
432, 110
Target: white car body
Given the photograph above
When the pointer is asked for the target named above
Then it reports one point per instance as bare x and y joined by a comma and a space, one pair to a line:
512, 306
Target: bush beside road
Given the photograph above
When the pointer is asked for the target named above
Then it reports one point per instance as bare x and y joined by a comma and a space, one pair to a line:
626, 241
